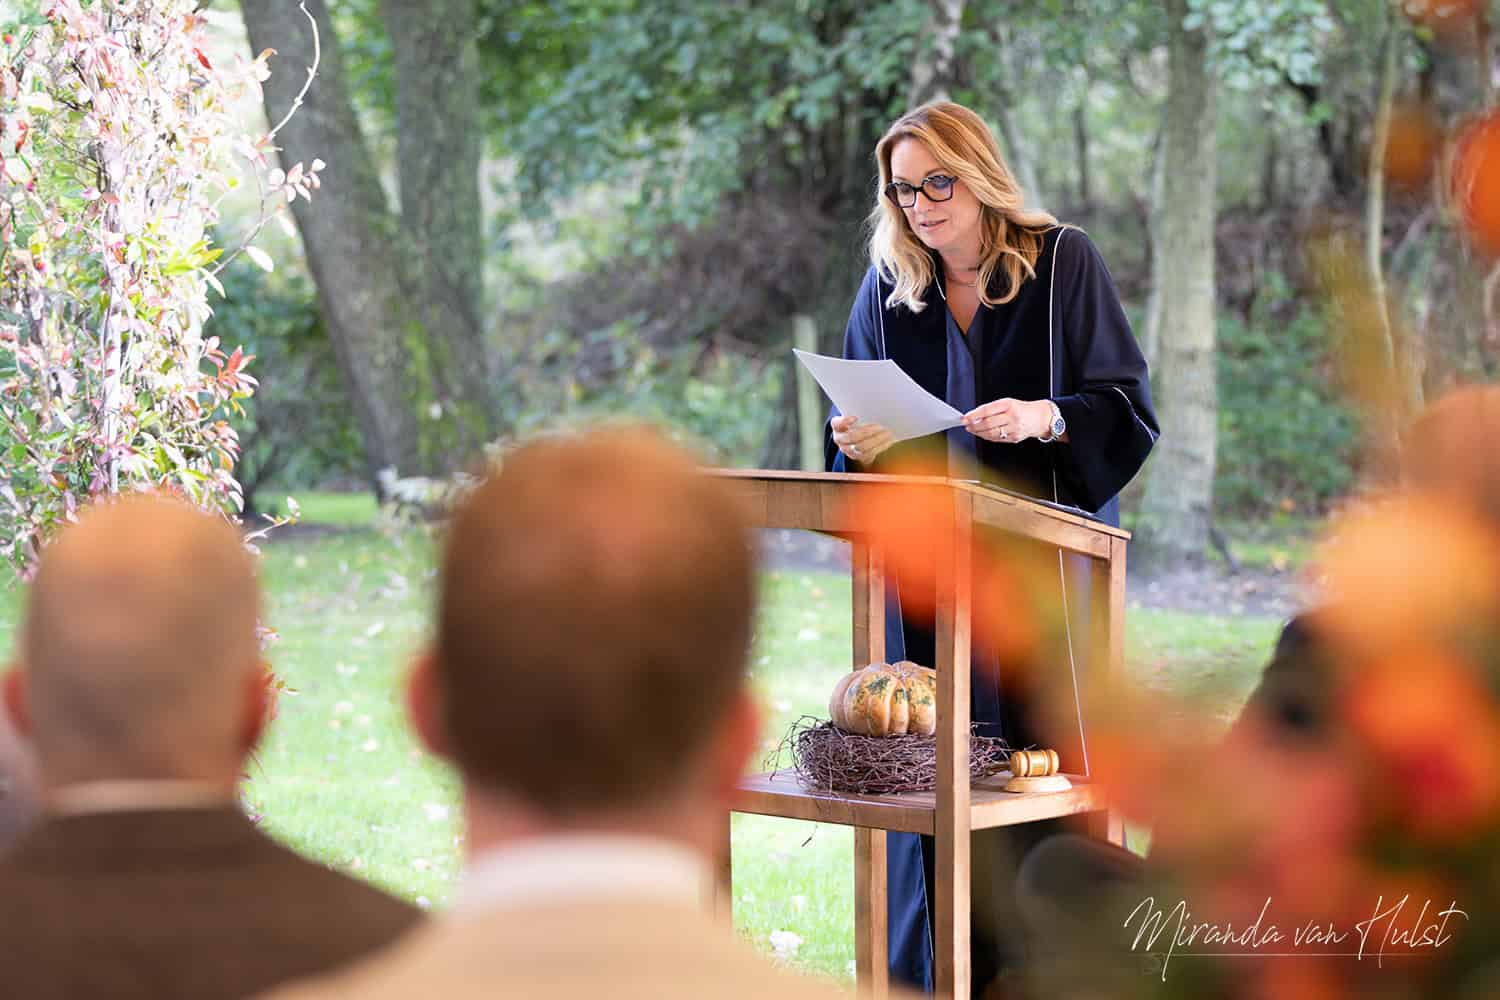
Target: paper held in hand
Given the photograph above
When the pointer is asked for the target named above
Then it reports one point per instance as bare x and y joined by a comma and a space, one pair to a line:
880, 392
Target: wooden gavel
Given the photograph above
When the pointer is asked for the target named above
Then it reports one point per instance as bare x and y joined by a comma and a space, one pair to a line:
1033, 763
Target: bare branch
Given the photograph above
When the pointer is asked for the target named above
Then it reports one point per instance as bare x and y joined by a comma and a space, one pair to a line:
312, 71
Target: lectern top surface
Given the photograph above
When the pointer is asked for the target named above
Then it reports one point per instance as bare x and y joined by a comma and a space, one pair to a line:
973, 486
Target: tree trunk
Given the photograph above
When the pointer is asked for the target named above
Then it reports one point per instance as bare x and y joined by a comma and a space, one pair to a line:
1151, 334
1402, 370
1270, 188
1336, 146
1021, 166
1375, 192
438, 150
1178, 503
347, 230
1081, 150
784, 441
934, 72
809, 397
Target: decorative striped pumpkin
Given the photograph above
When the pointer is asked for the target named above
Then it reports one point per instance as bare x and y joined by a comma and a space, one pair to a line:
884, 699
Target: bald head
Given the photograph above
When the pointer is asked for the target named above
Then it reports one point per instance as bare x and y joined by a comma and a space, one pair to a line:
138, 647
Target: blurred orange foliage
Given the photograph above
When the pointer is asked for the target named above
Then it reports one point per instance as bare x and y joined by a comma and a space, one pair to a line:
1014, 588
1415, 141
1448, 19
1408, 574
1434, 742
1475, 180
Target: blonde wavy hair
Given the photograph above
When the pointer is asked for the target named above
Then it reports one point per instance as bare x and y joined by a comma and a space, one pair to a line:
1011, 237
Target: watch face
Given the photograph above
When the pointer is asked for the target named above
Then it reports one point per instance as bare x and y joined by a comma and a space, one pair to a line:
1059, 426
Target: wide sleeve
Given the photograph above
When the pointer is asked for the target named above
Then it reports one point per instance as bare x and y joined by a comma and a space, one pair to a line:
862, 342
1107, 392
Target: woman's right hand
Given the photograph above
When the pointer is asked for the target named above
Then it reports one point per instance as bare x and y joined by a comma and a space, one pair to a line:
860, 442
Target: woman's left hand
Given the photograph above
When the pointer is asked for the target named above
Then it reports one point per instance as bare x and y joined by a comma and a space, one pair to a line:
1009, 420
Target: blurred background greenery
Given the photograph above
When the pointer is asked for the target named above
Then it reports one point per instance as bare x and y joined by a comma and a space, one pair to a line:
544, 212
652, 192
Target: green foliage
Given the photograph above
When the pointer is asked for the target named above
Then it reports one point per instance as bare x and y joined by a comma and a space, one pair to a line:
1285, 434
719, 401
365, 52
1260, 45
1066, 33
628, 127
688, 101
296, 430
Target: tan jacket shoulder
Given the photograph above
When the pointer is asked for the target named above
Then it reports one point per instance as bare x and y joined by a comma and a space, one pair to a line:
619, 950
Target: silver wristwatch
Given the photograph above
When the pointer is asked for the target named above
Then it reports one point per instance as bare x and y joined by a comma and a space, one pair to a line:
1058, 427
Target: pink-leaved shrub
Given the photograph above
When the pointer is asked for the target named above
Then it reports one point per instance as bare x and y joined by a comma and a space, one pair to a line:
119, 139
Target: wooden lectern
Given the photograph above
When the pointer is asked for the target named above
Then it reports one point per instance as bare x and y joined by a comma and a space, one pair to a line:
820, 502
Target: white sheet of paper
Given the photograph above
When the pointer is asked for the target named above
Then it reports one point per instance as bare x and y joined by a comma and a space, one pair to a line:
880, 392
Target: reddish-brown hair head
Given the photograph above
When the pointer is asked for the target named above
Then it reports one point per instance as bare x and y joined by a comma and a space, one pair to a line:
594, 621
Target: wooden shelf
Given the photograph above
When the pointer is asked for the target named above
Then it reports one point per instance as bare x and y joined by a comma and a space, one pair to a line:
779, 793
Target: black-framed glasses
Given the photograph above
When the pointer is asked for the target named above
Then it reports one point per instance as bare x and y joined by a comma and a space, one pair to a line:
938, 187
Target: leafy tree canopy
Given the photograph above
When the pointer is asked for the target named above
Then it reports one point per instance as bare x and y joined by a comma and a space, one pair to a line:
693, 100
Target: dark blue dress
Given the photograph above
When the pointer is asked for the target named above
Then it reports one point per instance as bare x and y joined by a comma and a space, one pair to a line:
1072, 344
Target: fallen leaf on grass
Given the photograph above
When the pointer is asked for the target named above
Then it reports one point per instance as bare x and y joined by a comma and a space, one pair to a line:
785, 944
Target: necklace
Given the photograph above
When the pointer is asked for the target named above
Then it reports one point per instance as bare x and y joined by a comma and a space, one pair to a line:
965, 284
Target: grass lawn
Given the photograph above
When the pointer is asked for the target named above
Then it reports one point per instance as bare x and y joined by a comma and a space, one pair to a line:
340, 778
1276, 542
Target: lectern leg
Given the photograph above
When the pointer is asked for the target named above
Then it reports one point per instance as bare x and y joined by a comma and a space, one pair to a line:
1107, 651
951, 819
952, 971
1107, 825
721, 893
871, 968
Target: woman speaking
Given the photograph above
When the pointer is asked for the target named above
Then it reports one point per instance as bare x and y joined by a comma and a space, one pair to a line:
1013, 320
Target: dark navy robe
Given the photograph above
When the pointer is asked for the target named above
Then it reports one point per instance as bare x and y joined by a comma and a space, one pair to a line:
1070, 343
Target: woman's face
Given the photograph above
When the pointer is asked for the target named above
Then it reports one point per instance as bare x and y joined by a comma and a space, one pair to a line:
950, 227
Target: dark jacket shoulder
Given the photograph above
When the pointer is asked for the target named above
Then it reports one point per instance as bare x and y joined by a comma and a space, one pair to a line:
177, 903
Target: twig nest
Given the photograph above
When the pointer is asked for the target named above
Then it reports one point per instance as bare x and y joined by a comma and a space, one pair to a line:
886, 699
826, 758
